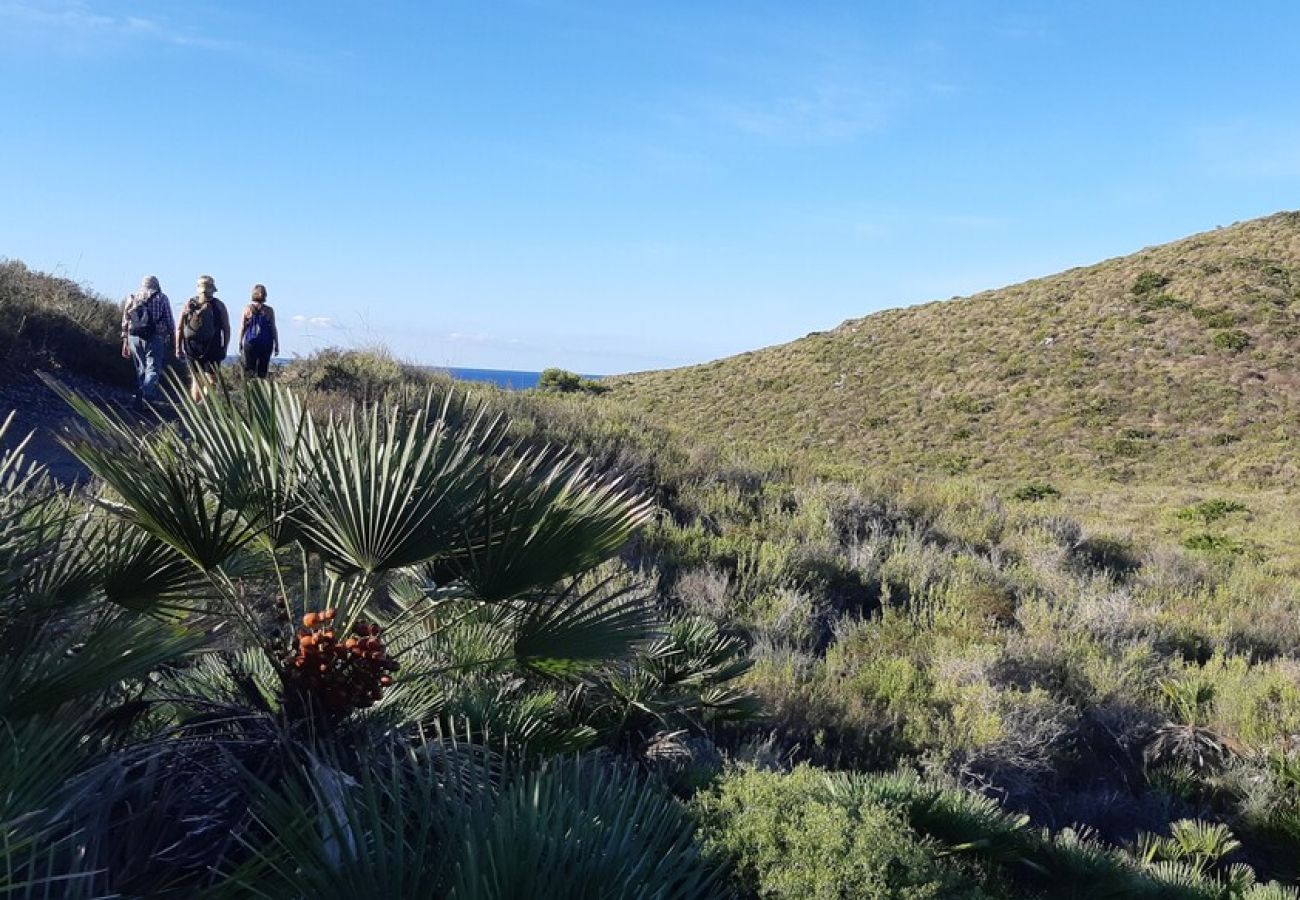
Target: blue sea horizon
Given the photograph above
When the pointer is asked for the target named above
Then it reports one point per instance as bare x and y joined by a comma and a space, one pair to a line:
503, 378
508, 379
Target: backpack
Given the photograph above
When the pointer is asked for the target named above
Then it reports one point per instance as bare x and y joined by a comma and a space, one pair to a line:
140, 319
257, 334
200, 329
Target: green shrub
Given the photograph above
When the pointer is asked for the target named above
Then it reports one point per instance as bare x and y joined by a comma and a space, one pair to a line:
1213, 544
1215, 318
1209, 511
1234, 340
562, 381
1163, 301
364, 375
791, 836
1035, 490
1149, 281
971, 406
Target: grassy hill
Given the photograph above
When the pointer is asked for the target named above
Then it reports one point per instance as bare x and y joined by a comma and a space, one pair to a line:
1177, 364
58, 325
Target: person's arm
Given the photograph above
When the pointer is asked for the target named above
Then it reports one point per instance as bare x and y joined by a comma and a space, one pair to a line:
243, 324
180, 327
126, 345
165, 314
225, 326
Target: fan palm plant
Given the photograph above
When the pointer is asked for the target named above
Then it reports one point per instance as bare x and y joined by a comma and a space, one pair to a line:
433, 504
248, 586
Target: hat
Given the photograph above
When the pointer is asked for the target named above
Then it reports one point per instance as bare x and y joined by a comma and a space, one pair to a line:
149, 284
206, 280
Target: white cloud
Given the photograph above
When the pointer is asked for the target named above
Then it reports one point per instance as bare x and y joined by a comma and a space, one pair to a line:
313, 321
80, 23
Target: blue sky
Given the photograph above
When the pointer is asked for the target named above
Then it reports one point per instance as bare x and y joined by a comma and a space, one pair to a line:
620, 186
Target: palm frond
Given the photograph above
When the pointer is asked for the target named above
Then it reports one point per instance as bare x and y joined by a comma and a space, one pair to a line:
386, 492
545, 519
167, 492
575, 829
62, 666
577, 629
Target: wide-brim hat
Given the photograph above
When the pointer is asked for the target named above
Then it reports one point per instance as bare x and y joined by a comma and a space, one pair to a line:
206, 281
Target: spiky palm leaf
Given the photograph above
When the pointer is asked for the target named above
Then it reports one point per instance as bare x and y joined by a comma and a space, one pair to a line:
257, 441
164, 484
401, 827
578, 829
388, 491
579, 627
686, 678
545, 519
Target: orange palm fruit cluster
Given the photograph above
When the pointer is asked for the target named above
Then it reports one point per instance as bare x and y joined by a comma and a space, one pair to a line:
342, 673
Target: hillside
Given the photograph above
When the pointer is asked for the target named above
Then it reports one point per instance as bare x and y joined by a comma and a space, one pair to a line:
1175, 364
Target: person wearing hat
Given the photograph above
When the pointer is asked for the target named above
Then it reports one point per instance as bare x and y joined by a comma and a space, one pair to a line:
146, 325
203, 334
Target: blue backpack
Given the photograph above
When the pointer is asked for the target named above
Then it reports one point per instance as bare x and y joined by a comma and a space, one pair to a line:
258, 335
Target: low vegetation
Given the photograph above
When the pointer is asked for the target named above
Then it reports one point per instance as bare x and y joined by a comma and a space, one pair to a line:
565, 382
56, 324
1169, 367
303, 658
690, 659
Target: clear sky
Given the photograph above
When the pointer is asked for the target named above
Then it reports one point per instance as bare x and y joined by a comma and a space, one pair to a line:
614, 186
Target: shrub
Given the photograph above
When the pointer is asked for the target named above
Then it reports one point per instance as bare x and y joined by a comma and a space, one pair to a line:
363, 375
1149, 281
1209, 511
1213, 544
1163, 301
1234, 340
1032, 491
791, 836
55, 323
1215, 318
562, 381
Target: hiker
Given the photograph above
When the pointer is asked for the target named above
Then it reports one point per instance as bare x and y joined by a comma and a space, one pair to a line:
259, 339
146, 326
203, 334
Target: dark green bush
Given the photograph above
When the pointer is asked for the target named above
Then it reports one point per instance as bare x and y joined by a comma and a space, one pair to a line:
1209, 511
1213, 544
1234, 340
1148, 282
790, 836
1215, 318
1034, 490
1163, 301
563, 381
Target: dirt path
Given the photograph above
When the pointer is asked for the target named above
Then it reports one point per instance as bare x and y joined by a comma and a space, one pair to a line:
42, 413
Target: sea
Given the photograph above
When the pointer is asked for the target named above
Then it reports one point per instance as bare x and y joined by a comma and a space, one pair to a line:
503, 378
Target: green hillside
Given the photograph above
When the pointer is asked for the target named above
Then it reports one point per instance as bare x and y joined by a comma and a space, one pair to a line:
1177, 364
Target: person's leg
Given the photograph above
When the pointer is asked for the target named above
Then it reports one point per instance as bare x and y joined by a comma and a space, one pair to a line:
263, 362
196, 380
139, 350
154, 349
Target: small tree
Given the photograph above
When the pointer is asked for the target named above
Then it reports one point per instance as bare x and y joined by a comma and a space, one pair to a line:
562, 381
